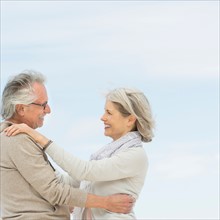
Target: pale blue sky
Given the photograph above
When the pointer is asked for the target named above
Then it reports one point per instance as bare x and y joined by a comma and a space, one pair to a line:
168, 49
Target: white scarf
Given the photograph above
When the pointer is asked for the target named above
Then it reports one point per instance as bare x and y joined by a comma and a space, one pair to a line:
131, 139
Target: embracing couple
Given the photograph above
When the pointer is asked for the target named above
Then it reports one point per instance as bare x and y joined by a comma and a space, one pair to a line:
106, 187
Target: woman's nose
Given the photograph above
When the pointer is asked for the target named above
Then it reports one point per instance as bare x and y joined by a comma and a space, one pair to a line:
103, 118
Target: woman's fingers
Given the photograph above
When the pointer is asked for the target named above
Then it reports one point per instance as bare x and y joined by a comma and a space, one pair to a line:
12, 130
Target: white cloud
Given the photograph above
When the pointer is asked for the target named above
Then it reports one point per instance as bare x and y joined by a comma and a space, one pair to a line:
175, 166
85, 127
185, 160
157, 37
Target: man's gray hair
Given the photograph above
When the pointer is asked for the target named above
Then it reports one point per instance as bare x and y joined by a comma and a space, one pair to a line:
133, 102
19, 90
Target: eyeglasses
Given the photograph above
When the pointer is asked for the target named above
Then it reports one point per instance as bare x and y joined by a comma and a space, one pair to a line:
44, 105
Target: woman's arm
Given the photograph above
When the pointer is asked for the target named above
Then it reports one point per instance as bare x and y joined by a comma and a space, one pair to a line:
128, 163
65, 178
125, 164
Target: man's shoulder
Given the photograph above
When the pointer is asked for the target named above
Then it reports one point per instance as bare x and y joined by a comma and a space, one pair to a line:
4, 125
18, 142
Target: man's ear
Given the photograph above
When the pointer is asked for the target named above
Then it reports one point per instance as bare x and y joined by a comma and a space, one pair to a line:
20, 109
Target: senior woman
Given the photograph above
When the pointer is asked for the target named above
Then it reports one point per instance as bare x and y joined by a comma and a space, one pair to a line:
118, 167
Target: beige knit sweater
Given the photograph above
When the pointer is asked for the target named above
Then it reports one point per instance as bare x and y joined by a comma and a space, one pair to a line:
29, 188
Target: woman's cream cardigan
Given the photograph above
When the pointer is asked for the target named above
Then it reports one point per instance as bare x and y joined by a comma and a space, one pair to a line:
122, 173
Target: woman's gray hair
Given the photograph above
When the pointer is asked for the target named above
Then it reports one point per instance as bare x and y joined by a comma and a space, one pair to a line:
19, 90
133, 102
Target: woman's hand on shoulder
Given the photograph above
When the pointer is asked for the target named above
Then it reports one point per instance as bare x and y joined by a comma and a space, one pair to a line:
15, 129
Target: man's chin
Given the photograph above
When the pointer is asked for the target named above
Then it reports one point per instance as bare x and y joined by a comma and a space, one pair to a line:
39, 125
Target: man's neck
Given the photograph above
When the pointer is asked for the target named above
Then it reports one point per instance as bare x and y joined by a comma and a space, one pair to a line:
14, 120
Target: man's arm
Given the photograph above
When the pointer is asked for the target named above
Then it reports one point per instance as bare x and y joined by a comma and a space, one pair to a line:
120, 203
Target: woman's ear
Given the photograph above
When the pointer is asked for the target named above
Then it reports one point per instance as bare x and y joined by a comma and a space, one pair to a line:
20, 109
131, 120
